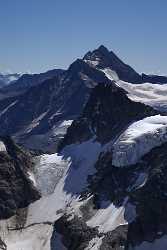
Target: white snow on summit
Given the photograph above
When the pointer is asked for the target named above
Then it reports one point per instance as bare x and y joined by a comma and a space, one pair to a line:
139, 139
94, 62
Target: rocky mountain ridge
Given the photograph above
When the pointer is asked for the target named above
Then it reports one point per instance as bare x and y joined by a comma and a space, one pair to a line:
48, 103
8, 78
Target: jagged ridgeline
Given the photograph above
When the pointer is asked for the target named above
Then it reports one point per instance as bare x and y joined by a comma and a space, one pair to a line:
48, 102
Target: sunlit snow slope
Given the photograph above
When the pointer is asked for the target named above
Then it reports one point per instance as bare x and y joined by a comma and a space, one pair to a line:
153, 95
139, 139
150, 94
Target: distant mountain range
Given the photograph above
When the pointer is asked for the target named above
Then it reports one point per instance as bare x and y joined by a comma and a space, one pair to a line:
6, 79
16, 84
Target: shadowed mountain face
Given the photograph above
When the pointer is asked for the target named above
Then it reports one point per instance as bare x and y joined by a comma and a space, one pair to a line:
29, 80
154, 79
46, 105
26, 81
103, 58
138, 191
16, 188
107, 113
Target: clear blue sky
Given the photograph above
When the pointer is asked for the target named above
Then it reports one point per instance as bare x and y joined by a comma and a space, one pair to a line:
37, 35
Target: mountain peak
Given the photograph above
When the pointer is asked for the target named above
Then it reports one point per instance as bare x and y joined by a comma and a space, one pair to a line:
103, 49
99, 52
102, 58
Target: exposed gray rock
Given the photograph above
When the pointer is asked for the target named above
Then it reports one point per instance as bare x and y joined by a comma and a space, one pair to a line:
16, 189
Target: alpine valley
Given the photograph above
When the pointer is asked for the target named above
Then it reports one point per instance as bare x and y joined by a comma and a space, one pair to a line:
83, 158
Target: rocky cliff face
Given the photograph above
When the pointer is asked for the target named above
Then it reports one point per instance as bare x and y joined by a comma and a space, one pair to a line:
16, 188
102, 58
155, 79
107, 113
26, 81
144, 185
47, 105
138, 195
114, 212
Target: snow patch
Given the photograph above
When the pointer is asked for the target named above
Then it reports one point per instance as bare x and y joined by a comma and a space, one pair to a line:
32, 177
48, 141
62, 128
110, 74
35, 122
7, 108
140, 181
110, 217
94, 62
2, 147
95, 244
49, 170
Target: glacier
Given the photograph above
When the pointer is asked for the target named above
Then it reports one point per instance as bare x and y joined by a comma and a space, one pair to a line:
56, 176
138, 139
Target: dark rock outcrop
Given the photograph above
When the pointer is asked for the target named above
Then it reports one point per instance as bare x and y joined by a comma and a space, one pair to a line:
16, 189
76, 234
107, 59
155, 79
148, 197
